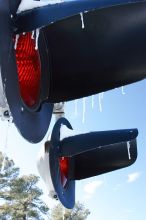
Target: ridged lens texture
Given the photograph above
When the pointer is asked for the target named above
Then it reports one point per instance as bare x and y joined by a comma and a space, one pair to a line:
64, 169
29, 69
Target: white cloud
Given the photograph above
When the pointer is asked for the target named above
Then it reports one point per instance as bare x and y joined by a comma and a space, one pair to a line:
91, 187
133, 177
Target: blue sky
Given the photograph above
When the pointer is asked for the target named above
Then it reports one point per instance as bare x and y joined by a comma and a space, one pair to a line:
117, 195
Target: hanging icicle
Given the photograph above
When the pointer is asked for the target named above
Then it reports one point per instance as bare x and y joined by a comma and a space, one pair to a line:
37, 38
82, 20
128, 148
32, 34
105, 180
84, 110
76, 107
92, 101
100, 97
123, 92
16, 41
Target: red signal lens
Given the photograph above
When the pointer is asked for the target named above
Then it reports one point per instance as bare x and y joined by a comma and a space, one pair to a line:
64, 169
29, 69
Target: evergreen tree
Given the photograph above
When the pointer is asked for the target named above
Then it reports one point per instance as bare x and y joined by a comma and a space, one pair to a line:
79, 212
20, 196
8, 173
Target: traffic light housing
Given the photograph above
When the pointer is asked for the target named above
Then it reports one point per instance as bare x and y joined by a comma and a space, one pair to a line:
80, 156
82, 48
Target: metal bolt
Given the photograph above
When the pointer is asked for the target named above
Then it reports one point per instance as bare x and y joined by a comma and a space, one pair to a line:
6, 113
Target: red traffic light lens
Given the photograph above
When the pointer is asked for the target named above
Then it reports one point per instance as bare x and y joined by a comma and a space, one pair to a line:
64, 169
29, 69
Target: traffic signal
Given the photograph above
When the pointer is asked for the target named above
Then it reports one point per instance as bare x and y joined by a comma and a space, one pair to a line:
22, 77
64, 51
60, 52
69, 157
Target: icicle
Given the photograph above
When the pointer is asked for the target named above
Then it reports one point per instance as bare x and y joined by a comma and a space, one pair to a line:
16, 41
92, 101
100, 97
82, 20
5, 148
32, 34
123, 92
36, 38
105, 180
128, 148
76, 107
84, 110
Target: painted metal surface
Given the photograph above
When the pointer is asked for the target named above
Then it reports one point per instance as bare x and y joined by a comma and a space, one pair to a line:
39, 17
65, 194
32, 124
